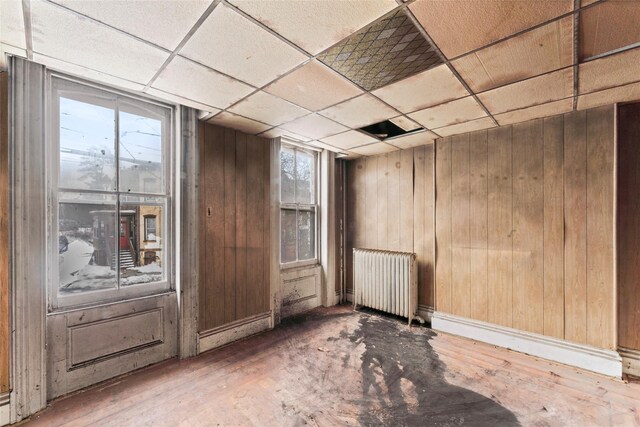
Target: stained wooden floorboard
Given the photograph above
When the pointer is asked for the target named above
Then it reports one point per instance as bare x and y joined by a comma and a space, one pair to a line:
338, 367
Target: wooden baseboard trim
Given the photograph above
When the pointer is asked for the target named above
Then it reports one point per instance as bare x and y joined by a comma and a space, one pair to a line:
601, 361
425, 312
234, 331
630, 361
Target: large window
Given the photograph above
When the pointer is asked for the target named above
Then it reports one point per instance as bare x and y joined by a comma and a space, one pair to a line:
298, 205
111, 188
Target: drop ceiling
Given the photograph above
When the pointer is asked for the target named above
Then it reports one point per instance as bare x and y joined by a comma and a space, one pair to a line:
318, 70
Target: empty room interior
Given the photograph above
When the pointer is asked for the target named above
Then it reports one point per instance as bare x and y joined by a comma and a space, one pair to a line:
320, 212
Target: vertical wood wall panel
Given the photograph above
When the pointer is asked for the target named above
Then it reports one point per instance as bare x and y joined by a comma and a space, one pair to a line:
443, 224
528, 226
235, 255
600, 257
628, 226
406, 200
553, 227
4, 235
500, 226
428, 285
382, 176
371, 202
478, 232
393, 201
419, 218
575, 248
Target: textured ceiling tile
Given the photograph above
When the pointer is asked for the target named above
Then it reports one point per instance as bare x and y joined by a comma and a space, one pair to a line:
314, 126
460, 110
279, 132
615, 70
242, 124
373, 149
313, 86
77, 70
319, 144
181, 101
386, 51
161, 22
315, 25
473, 125
630, 92
230, 43
527, 93
405, 123
12, 23
202, 84
535, 52
458, 27
544, 110
350, 155
608, 26
413, 140
361, 111
95, 46
426, 89
268, 109
349, 139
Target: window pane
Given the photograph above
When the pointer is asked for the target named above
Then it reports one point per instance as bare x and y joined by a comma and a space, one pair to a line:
140, 153
87, 133
287, 175
141, 242
287, 236
306, 235
86, 243
305, 174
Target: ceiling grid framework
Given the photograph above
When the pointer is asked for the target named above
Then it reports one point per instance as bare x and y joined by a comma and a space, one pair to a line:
489, 75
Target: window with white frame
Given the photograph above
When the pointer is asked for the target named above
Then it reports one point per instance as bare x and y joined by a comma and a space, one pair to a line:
110, 176
298, 205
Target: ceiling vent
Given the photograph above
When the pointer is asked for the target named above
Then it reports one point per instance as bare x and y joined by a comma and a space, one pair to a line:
387, 129
383, 52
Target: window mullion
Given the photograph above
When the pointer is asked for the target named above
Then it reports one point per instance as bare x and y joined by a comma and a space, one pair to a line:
117, 181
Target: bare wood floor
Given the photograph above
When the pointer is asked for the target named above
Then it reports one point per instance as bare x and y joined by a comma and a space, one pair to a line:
336, 367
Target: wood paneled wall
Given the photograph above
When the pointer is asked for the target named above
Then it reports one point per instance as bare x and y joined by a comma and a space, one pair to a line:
390, 205
628, 226
525, 226
4, 235
235, 226
340, 169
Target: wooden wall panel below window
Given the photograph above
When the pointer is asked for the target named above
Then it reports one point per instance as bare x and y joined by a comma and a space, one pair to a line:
4, 235
235, 243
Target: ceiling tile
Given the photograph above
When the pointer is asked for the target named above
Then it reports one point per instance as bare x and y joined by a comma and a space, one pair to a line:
279, 132
473, 125
232, 44
405, 123
319, 144
413, 140
268, 109
544, 110
77, 70
361, 111
161, 22
630, 92
240, 123
315, 25
181, 101
460, 110
373, 149
313, 86
202, 84
12, 24
615, 70
95, 45
349, 139
386, 51
527, 93
535, 52
350, 155
431, 87
608, 26
314, 126
458, 27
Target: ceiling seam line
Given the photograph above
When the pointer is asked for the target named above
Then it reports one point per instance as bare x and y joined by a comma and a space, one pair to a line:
184, 41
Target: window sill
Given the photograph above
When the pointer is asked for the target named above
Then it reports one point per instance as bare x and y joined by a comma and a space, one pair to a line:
300, 265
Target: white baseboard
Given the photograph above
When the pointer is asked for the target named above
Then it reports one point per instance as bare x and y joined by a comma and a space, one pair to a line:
5, 410
425, 312
234, 331
605, 362
630, 361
